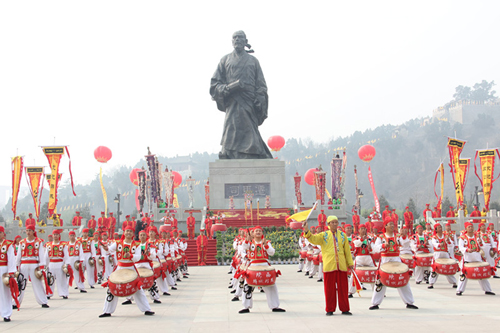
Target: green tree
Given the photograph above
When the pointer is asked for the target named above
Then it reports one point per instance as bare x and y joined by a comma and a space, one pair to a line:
483, 91
383, 202
446, 205
462, 92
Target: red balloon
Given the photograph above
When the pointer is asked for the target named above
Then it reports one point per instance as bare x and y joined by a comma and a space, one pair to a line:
366, 153
276, 142
177, 179
102, 154
134, 178
309, 176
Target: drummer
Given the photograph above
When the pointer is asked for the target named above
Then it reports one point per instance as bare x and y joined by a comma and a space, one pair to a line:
108, 265
388, 245
362, 252
127, 253
88, 252
259, 249
303, 251
488, 245
75, 254
167, 255
420, 244
159, 244
470, 246
441, 244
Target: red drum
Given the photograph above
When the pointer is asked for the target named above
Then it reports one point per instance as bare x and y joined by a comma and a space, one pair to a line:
445, 266
218, 227
179, 260
123, 282
260, 276
296, 225
316, 260
394, 274
477, 270
424, 259
303, 254
366, 274
310, 255
147, 276
164, 266
408, 260
156, 269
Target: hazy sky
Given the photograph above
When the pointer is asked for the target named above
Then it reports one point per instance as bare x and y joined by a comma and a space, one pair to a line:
133, 74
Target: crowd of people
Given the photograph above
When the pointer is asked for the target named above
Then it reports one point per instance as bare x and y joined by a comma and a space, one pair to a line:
94, 258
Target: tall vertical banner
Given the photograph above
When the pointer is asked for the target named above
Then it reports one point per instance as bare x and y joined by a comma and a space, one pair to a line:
17, 172
104, 194
34, 176
487, 162
298, 194
336, 165
142, 188
54, 155
207, 194
153, 176
463, 172
342, 176
320, 184
357, 191
455, 147
375, 198
440, 171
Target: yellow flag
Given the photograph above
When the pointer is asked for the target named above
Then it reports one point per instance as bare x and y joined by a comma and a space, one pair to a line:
299, 217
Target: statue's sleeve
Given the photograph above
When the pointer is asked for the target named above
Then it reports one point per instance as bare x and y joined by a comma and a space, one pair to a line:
218, 86
261, 97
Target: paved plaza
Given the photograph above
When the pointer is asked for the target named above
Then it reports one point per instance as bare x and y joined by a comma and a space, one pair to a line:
202, 303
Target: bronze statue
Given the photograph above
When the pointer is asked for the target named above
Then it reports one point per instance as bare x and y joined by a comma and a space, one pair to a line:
239, 89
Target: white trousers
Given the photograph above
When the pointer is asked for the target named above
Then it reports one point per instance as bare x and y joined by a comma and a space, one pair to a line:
272, 296
485, 285
139, 297
89, 269
61, 281
5, 297
404, 292
309, 265
28, 270
320, 272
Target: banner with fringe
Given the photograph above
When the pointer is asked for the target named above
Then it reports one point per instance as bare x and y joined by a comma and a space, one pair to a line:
17, 172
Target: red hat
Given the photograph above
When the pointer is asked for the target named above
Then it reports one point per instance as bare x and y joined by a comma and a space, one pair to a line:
111, 213
130, 228
72, 233
127, 216
14, 237
102, 213
419, 226
386, 206
115, 234
77, 212
93, 215
322, 210
30, 214
387, 221
407, 207
362, 226
451, 207
480, 224
142, 232
30, 227
466, 224
2, 229
163, 228
491, 225
447, 224
85, 230
427, 224
56, 231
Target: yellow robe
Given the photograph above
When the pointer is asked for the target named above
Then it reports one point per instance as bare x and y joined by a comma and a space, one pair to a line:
329, 250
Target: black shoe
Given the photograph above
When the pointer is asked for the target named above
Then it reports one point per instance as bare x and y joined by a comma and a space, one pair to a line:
329, 313
127, 302
65, 297
166, 294
228, 272
14, 307
262, 291
105, 315
307, 273
347, 313
311, 276
411, 306
185, 277
430, 287
230, 286
6, 319
459, 293
320, 280
299, 271
364, 288
232, 292
48, 297
454, 286
235, 299
76, 287
496, 277
173, 288
418, 282
279, 310
83, 291
244, 311
178, 280
188, 273
350, 296
374, 307
45, 306
489, 293
149, 313
157, 301
92, 287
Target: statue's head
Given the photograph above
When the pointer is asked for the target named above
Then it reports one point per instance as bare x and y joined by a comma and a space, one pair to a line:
239, 40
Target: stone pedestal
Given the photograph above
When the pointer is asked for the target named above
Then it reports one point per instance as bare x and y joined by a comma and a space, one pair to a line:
236, 177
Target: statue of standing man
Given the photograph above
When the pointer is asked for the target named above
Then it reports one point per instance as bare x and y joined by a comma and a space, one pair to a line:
239, 89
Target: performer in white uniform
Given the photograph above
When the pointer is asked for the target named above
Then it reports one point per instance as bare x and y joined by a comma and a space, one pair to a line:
7, 266
441, 245
75, 255
127, 254
56, 256
30, 258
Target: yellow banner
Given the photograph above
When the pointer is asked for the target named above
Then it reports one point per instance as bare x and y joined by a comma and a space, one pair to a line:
176, 202
487, 161
17, 172
35, 181
461, 176
54, 155
455, 147
104, 195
